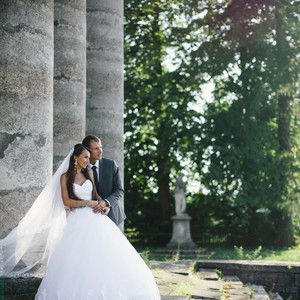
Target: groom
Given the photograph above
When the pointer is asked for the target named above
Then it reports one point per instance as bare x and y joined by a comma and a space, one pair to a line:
107, 179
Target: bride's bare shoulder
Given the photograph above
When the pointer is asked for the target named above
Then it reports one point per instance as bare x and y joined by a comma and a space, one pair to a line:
63, 176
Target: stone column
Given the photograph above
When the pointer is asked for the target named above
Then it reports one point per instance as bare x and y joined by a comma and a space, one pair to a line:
26, 114
69, 75
105, 75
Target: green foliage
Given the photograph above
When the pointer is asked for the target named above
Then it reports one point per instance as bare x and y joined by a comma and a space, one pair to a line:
241, 156
145, 257
242, 144
220, 274
254, 255
158, 119
216, 251
176, 255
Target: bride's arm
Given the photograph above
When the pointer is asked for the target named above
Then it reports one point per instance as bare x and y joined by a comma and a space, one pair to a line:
71, 202
102, 204
95, 194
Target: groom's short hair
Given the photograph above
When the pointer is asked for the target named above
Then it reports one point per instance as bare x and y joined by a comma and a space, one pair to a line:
88, 139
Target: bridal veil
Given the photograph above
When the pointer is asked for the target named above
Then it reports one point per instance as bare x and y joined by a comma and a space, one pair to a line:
25, 251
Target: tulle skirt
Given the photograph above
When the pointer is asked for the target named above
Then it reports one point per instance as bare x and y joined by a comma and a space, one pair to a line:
95, 261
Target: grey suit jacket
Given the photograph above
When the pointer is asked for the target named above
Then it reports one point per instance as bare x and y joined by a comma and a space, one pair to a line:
111, 188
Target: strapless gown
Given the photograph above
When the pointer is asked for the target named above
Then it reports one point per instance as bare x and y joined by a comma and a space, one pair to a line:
95, 261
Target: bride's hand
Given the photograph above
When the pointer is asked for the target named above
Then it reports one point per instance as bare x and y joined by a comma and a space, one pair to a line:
93, 204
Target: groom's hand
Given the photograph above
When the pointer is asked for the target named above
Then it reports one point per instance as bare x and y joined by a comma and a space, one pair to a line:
105, 210
100, 206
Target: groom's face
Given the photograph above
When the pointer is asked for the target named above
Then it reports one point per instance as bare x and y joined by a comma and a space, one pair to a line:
96, 151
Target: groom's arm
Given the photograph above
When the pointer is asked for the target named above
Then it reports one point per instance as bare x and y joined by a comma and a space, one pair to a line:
117, 186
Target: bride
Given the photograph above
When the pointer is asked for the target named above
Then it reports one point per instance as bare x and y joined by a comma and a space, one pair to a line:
87, 257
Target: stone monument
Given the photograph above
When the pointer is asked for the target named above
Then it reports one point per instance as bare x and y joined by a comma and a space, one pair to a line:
181, 236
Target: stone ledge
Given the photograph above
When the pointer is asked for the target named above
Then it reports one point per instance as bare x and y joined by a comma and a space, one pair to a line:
19, 288
278, 276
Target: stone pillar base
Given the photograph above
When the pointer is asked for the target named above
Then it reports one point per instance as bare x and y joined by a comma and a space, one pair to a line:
181, 237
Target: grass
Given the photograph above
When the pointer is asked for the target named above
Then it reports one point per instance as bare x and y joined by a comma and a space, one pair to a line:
279, 254
235, 253
182, 288
173, 286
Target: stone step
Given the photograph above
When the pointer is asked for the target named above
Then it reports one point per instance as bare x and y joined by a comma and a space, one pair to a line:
234, 289
179, 278
208, 274
180, 267
276, 276
175, 297
206, 289
275, 296
258, 292
232, 280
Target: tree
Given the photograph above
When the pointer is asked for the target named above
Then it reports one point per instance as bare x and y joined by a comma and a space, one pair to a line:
245, 143
242, 143
286, 17
157, 117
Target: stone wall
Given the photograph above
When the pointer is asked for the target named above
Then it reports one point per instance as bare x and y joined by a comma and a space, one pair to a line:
281, 277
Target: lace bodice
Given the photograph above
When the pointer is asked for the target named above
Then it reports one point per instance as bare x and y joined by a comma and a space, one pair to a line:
84, 191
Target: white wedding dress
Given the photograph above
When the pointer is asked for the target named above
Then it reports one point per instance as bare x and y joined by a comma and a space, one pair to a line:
94, 261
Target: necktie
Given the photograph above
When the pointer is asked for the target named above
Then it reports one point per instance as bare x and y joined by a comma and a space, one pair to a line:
94, 168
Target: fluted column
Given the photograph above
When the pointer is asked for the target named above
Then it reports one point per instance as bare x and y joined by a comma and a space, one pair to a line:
69, 75
26, 114
105, 75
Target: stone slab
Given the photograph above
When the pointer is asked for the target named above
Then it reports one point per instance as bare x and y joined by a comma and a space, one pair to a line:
238, 290
232, 280
259, 293
208, 274
181, 267
239, 297
275, 296
175, 298
260, 297
206, 289
167, 281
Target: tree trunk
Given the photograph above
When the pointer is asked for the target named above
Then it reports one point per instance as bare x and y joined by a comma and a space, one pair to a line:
163, 183
163, 174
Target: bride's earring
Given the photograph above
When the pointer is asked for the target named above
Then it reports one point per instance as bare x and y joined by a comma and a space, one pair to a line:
75, 166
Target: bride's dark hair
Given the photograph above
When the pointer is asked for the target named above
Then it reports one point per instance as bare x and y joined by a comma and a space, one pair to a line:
78, 149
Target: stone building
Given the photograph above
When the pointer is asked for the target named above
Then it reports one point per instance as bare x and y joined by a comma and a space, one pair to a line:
61, 77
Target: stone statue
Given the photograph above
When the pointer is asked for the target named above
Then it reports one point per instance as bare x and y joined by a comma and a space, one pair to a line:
181, 235
180, 201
